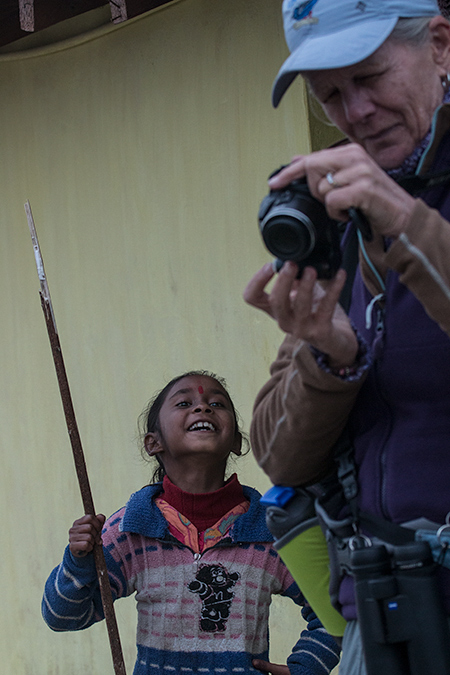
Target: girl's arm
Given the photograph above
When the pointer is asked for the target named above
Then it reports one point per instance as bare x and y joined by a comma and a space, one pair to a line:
72, 596
316, 652
72, 599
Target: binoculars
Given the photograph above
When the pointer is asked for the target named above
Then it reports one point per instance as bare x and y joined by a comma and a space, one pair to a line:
404, 628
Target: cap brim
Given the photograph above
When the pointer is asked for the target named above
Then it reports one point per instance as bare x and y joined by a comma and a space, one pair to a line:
337, 50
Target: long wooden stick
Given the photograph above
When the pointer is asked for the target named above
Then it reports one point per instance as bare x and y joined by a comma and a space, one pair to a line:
77, 450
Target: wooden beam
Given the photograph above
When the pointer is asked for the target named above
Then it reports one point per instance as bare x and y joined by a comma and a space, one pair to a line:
18, 18
121, 10
26, 15
118, 10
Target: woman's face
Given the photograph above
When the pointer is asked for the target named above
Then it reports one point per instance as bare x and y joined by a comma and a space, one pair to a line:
386, 102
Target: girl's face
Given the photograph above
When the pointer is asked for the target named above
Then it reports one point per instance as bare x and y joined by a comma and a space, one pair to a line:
196, 420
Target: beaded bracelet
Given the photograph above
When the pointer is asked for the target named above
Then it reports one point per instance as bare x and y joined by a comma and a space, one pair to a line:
348, 373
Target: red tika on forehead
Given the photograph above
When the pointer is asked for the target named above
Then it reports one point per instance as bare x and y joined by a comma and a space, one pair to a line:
200, 389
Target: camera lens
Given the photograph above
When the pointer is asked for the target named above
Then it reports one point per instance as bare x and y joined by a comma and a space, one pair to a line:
288, 234
296, 226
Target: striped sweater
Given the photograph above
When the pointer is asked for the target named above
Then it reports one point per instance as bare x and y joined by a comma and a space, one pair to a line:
198, 613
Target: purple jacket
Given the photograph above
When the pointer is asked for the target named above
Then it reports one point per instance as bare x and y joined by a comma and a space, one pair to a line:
401, 418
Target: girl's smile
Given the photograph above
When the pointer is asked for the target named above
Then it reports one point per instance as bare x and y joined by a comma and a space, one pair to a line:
202, 426
197, 428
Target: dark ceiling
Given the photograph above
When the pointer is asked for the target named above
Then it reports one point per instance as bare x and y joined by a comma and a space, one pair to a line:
19, 18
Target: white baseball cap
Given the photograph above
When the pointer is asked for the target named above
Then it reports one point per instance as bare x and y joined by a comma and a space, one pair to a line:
323, 34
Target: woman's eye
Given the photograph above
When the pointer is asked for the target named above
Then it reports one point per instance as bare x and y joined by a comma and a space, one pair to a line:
329, 97
366, 79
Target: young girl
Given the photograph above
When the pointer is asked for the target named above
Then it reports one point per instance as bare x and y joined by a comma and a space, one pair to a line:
193, 547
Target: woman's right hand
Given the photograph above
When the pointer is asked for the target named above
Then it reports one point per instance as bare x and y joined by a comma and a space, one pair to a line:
85, 533
307, 309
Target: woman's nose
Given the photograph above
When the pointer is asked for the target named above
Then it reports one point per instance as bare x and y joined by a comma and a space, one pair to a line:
357, 105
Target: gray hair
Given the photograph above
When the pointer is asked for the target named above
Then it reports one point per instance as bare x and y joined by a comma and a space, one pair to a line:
411, 31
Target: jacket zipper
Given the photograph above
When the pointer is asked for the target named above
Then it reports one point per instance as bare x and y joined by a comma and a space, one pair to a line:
383, 454
197, 556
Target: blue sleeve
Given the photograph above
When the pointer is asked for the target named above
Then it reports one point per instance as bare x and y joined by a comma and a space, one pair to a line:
316, 651
72, 599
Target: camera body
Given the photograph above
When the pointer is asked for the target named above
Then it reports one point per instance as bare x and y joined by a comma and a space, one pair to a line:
296, 226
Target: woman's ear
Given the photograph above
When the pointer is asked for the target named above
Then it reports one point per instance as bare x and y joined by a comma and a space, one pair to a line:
440, 41
237, 445
152, 443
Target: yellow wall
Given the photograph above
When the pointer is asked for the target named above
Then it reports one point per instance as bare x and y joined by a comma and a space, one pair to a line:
144, 150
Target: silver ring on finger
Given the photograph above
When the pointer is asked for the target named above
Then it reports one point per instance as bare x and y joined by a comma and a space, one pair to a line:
330, 180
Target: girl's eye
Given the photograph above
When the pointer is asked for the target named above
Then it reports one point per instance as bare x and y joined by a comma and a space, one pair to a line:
217, 404
182, 404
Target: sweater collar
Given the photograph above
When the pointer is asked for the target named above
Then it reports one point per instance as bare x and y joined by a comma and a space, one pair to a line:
142, 516
204, 509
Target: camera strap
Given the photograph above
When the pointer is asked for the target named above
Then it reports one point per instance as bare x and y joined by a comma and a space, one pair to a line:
350, 248
415, 183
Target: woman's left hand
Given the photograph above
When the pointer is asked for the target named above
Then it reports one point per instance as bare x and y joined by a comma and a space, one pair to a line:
354, 180
267, 667
306, 310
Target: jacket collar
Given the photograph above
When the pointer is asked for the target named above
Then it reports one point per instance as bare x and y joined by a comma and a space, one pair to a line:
440, 127
142, 516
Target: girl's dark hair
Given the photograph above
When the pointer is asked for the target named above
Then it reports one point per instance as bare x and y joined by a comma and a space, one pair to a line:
148, 421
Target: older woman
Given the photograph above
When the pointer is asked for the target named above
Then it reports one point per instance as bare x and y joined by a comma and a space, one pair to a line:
380, 70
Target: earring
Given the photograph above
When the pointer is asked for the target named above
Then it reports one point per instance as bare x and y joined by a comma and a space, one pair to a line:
445, 81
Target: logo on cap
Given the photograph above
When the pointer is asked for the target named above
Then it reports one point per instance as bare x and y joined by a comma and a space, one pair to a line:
302, 13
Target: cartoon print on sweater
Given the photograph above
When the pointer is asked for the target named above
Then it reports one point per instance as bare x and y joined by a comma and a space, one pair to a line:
213, 584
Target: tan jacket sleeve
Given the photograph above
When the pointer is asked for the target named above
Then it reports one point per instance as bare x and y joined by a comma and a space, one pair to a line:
421, 255
300, 412
298, 416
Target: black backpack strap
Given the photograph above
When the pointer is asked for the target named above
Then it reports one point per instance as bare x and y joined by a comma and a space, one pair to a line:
378, 527
344, 456
386, 530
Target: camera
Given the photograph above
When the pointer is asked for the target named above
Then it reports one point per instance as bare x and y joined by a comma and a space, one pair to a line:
296, 226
